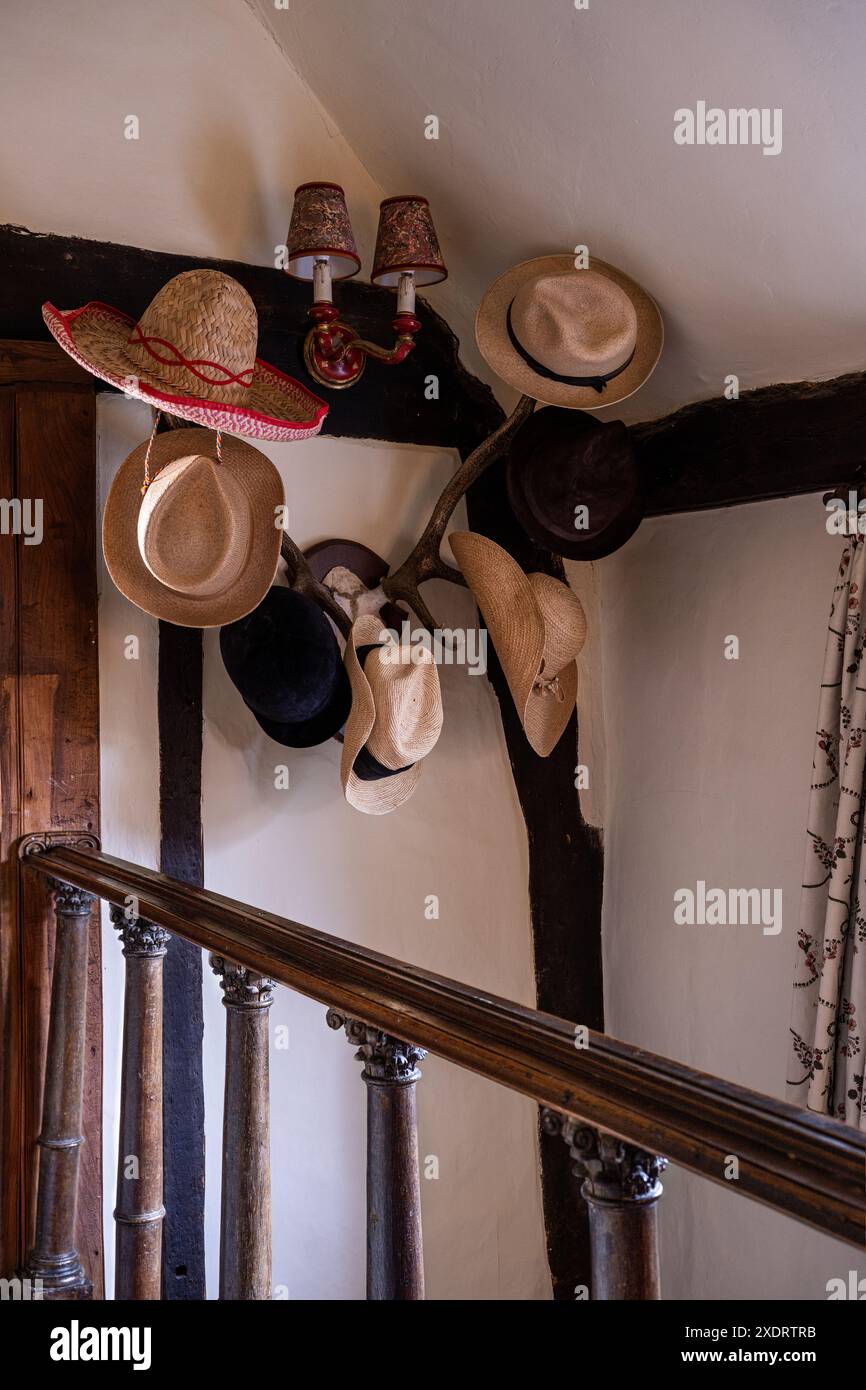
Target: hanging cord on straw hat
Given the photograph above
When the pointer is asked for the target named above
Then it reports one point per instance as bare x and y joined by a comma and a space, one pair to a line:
147, 478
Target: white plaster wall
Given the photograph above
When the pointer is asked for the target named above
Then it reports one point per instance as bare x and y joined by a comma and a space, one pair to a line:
129, 773
305, 853
709, 764
556, 128
227, 128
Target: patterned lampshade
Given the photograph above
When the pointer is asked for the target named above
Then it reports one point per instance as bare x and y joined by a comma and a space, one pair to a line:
321, 227
407, 241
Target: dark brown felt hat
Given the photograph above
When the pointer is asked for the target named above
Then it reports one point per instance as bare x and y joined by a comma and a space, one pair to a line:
562, 459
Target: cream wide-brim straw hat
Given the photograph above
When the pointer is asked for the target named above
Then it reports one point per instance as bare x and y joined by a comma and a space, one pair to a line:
215, 548
192, 354
537, 627
573, 329
396, 716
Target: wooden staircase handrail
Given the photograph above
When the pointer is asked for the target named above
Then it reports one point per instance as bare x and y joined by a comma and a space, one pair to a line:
809, 1166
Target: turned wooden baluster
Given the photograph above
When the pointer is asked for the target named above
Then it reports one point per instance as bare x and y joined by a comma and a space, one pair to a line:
139, 1212
245, 1223
395, 1255
620, 1185
54, 1258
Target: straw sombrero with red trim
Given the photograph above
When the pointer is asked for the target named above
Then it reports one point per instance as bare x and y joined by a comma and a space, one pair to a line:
192, 354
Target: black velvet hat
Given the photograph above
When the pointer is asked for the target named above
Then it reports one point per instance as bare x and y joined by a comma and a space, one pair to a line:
561, 459
285, 661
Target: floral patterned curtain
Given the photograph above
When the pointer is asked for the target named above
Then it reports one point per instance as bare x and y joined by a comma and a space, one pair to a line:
825, 1069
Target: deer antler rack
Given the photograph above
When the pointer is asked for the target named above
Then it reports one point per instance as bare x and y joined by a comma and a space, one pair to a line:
303, 581
425, 562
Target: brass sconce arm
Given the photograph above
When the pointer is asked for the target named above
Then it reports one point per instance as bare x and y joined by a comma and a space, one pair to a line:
335, 355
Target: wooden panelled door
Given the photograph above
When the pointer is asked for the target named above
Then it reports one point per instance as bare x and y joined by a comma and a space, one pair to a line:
49, 752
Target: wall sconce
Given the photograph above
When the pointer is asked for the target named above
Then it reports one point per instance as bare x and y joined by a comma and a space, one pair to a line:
321, 247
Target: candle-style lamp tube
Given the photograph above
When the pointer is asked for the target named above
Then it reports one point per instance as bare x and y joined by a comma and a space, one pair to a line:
406, 292
322, 287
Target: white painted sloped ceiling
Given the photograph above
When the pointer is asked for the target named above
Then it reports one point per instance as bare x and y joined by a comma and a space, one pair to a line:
557, 128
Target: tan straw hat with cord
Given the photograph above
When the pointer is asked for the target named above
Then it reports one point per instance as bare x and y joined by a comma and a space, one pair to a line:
395, 719
538, 628
192, 354
190, 529
577, 338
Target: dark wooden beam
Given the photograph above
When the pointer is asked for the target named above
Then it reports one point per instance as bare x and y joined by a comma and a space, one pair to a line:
40, 362
802, 436
774, 442
566, 875
181, 854
390, 404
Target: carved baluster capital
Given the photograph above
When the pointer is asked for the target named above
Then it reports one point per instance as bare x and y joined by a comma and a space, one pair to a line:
611, 1169
70, 901
138, 936
395, 1261
385, 1058
242, 988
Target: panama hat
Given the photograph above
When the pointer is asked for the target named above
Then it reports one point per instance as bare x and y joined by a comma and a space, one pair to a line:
189, 531
538, 628
395, 720
577, 338
193, 354
285, 661
564, 459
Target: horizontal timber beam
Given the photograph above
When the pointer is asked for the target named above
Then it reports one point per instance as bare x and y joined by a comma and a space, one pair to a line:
23, 362
393, 403
778, 441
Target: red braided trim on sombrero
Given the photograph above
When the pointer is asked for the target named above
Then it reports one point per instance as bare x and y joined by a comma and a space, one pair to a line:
192, 364
201, 412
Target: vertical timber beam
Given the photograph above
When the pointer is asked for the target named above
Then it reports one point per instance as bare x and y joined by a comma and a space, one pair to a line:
566, 878
179, 705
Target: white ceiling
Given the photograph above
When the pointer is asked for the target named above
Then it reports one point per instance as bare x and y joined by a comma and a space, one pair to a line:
557, 128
